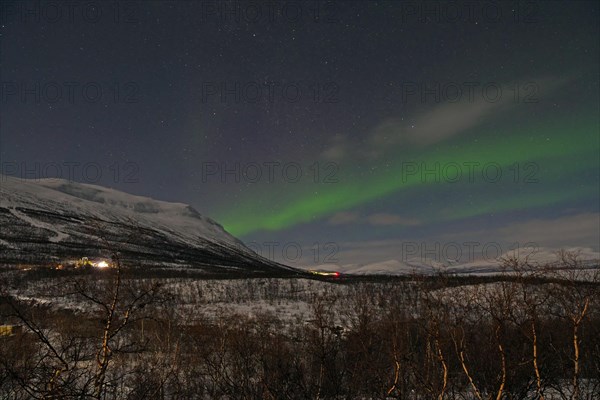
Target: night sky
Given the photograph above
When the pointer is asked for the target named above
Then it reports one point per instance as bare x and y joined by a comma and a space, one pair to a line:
353, 129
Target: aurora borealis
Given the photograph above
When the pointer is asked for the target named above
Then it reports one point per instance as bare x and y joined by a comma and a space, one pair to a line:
551, 152
376, 102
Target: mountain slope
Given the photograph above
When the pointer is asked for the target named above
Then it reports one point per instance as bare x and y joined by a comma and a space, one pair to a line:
52, 220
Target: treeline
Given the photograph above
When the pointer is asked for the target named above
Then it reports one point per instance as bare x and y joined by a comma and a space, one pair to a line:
534, 335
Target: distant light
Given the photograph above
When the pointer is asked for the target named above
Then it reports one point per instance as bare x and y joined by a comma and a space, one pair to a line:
323, 273
102, 264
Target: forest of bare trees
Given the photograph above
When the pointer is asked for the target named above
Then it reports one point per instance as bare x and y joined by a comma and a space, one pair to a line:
531, 333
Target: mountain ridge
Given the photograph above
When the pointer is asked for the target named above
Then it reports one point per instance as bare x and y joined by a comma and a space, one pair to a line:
51, 220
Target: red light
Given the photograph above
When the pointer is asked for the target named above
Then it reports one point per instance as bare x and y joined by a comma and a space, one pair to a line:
337, 274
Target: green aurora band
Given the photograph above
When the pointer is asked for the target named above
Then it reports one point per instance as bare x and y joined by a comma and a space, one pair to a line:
562, 151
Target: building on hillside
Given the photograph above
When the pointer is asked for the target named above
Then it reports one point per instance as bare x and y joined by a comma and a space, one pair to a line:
9, 330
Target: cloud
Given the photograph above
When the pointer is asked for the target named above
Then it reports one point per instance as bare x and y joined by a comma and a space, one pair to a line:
379, 219
541, 238
338, 150
344, 217
369, 251
433, 126
574, 230
440, 122
391, 219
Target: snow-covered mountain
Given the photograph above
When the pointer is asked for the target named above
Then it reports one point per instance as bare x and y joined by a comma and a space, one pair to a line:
52, 220
588, 258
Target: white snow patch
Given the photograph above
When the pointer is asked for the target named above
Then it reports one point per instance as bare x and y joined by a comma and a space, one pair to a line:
39, 224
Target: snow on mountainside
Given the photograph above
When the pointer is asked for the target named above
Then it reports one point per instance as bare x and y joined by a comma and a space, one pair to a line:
97, 201
539, 256
48, 220
389, 267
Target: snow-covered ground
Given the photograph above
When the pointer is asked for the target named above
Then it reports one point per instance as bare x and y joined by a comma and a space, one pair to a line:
202, 299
